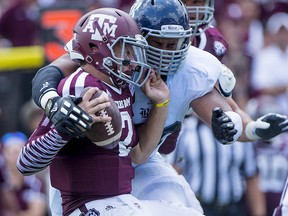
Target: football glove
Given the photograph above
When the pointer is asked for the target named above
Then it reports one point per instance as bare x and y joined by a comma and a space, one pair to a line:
67, 117
267, 126
222, 126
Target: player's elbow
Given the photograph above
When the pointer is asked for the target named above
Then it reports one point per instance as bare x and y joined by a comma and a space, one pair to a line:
138, 156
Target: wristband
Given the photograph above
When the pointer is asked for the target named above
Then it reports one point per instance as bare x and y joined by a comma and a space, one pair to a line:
237, 120
165, 103
48, 95
250, 131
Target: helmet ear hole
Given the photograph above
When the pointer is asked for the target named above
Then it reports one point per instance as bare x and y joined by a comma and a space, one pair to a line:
94, 48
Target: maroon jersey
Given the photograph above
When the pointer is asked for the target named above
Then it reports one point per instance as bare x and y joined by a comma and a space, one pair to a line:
81, 170
212, 41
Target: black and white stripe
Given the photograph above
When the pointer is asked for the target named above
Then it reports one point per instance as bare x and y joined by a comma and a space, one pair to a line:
38, 153
214, 171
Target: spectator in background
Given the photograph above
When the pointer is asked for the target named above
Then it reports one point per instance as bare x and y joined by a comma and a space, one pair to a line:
250, 14
121, 4
241, 27
19, 23
271, 156
18, 27
269, 7
22, 195
30, 115
269, 67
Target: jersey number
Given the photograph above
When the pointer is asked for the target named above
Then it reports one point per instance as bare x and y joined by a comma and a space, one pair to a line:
124, 148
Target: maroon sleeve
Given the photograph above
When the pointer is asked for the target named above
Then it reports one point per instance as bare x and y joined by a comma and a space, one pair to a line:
41, 148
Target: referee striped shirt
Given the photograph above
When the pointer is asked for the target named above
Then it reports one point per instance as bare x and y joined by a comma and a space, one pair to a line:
214, 171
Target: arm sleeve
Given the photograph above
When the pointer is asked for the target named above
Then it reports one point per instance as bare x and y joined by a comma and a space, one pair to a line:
45, 82
39, 151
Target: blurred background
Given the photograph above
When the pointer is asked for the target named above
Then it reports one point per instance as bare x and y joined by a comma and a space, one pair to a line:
33, 33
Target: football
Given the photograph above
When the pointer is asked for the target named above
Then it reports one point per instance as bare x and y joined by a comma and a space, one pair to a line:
105, 134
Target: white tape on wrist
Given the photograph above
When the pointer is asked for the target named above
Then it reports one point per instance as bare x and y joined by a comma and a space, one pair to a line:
250, 131
237, 120
46, 97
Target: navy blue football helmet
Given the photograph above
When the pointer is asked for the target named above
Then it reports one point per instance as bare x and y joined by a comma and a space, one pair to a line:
168, 20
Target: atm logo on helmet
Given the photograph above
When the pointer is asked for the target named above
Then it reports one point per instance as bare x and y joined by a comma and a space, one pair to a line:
106, 25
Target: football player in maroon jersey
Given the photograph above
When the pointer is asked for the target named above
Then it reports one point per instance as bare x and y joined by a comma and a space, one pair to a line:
111, 51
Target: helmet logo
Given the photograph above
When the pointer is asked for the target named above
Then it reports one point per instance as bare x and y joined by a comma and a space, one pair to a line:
219, 48
106, 25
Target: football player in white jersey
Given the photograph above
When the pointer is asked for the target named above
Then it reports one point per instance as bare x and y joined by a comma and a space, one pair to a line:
191, 82
207, 37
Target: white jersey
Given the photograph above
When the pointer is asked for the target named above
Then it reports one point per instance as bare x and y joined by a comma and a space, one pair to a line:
196, 78
156, 179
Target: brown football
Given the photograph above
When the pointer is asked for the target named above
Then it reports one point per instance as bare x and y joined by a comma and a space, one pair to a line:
106, 135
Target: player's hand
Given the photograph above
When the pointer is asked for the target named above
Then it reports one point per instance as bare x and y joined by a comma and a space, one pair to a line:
156, 89
67, 117
222, 126
267, 126
91, 104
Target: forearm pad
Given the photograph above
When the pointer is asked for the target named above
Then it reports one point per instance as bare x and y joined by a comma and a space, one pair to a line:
46, 80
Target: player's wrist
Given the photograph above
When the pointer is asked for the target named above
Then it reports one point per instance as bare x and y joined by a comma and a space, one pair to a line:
64, 136
237, 121
49, 104
163, 103
48, 96
250, 131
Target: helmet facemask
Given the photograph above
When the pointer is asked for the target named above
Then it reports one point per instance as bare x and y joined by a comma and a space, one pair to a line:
128, 62
167, 60
200, 15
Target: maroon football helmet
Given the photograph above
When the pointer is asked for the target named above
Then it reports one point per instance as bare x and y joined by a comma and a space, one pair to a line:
111, 41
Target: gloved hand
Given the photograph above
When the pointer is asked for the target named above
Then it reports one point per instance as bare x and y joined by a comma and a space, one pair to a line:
267, 126
67, 117
222, 126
